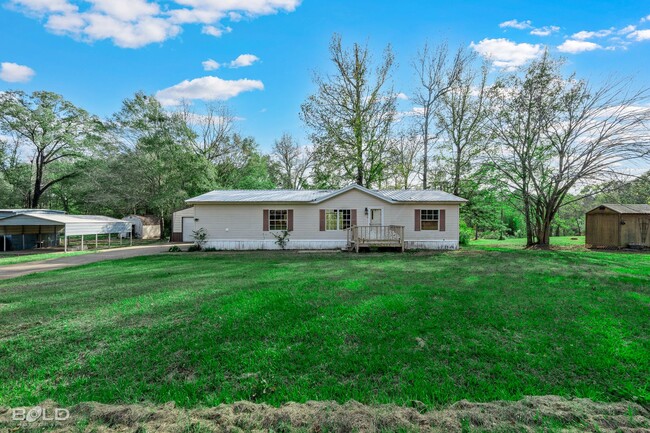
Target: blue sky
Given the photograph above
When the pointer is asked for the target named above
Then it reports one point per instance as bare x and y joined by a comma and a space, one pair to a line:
98, 52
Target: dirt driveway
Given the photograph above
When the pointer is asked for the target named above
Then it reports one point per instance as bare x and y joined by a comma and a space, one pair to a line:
20, 269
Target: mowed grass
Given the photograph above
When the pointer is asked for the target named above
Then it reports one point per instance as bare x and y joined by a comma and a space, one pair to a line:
14, 259
202, 329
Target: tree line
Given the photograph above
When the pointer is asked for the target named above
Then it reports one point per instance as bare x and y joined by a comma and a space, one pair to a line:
530, 149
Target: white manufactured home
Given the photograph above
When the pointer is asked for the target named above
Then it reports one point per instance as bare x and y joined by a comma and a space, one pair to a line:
352, 217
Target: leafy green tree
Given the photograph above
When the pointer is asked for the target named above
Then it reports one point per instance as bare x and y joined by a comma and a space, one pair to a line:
53, 132
351, 114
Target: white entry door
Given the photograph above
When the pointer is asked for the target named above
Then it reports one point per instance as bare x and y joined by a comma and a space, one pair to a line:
188, 229
375, 217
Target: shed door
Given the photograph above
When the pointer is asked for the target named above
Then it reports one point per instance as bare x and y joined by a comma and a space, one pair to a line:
188, 228
602, 230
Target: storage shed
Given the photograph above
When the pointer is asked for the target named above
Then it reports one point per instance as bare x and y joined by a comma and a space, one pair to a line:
619, 226
144, 226
183, 225
33, 230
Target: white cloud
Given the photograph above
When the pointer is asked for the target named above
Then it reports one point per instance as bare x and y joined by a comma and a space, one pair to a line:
217, 32
15, 73
573, 46
640, 35
544, 31
626, 30
584, 35
514, 24
126, 10
136, 23
644, 19
210, 65
243, 61
402, 96
506, 54
206, 89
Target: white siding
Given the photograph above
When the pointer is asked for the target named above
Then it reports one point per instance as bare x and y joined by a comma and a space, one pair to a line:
239, 226
177, 219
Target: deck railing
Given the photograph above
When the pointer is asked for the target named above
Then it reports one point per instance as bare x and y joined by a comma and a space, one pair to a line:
375, 236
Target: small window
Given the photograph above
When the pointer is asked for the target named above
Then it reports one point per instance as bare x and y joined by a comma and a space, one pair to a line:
337, 219
429, 219
278, 219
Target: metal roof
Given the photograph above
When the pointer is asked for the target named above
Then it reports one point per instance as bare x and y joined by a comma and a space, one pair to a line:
73, 224
427, 195
317, 196
68, 219
627, 208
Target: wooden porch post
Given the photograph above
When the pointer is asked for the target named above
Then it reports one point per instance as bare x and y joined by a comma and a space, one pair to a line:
96, 243
65, 239
109, 240
82, 242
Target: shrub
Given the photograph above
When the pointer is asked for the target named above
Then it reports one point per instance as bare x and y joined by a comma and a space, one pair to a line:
200, 237
282, 238
175, 249
194, 248
465, 234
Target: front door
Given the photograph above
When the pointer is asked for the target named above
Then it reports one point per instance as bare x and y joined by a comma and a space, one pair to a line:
375, 217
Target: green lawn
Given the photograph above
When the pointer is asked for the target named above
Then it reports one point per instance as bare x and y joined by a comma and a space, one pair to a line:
480, 324
13, 259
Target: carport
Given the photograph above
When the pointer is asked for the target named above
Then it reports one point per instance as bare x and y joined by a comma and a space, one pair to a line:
43, 230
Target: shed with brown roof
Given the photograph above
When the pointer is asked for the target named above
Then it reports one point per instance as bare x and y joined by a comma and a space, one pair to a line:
619, 226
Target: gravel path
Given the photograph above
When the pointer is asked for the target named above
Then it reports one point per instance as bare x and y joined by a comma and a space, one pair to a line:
20, 269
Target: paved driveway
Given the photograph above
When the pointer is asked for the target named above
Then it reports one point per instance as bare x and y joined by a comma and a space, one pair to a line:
20, 269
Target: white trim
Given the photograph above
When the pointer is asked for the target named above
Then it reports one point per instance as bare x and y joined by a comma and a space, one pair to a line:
358, 188
337, 220
437, 220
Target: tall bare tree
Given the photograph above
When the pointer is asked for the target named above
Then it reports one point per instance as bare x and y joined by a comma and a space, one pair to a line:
462, 119
351, 114
292, 162
405, 158
554, 134
437, 73
213, 129
52, 131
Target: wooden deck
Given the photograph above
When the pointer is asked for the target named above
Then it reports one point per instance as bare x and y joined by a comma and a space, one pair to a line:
375, 236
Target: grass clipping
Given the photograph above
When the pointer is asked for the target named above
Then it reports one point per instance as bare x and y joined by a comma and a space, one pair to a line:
532, 414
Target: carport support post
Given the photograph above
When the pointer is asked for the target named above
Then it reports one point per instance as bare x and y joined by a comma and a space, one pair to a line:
131, 237
96, 244
82, 242
65, 241
109, 240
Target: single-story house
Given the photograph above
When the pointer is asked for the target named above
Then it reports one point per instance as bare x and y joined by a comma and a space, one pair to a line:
352, 217
618, 226
183, 225
144, 226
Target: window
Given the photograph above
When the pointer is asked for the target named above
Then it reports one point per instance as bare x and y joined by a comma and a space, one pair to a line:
337, 219
429, 219
278, 219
